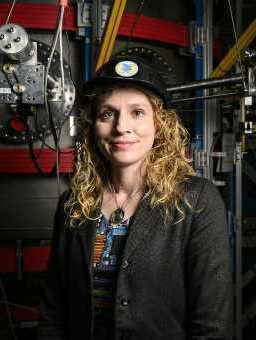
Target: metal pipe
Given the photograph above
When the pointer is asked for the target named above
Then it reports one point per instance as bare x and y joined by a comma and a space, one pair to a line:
206, 84
111, 32
199, 142
221, 95
209, 112
238, 226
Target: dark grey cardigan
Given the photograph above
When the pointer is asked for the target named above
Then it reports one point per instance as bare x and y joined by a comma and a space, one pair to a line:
174, 282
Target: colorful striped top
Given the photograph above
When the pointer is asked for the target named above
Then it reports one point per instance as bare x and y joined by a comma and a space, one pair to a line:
108, 249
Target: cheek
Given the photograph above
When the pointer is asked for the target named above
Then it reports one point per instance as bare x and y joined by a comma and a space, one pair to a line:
147, 131
101, 132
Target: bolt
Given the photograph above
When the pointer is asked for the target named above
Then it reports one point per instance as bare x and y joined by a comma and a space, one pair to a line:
17, 39
11, 30
8, 68
8, 46
1, 36
19, 88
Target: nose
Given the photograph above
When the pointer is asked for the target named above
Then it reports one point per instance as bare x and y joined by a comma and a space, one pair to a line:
122, 122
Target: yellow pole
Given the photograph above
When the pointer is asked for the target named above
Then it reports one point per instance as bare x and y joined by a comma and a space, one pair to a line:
229, 60
111, 32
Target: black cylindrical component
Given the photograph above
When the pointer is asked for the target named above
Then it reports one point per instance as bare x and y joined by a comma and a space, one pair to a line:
206, 84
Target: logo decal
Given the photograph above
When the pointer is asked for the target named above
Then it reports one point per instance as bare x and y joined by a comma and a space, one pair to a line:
126, 68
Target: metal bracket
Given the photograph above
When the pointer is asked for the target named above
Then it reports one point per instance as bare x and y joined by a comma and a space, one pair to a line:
94, 13
238, 155
248, 127
99, 18
219, 154
252, 81
83, 17
200, 159
83, 14
248, 101
197, 35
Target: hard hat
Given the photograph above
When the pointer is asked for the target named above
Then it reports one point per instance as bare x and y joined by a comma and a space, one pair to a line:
129, 69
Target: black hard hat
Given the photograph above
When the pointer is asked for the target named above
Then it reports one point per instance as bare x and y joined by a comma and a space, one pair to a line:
129, 69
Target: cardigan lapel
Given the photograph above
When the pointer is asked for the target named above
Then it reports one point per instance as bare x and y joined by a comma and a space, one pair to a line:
87, 233
145, 219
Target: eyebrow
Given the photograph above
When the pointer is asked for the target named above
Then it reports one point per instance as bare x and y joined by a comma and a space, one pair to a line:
109, 106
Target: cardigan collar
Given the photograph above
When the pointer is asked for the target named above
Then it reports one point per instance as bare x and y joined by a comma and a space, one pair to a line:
144, 220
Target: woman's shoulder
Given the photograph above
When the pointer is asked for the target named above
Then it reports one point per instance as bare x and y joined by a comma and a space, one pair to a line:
202, 193
196, 183
201, 188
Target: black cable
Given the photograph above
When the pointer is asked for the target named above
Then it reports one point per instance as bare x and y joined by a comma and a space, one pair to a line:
43, 139
50, 147
69, 60
56, 139
8, 312
137, 18
33, 156
236, 42
34, 159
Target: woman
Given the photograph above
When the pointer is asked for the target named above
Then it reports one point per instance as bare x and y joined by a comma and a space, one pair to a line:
140, 248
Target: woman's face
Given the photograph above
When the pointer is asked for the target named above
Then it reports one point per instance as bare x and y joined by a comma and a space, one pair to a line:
124, 127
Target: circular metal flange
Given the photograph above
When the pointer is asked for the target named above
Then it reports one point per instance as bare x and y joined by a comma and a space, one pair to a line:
15, 42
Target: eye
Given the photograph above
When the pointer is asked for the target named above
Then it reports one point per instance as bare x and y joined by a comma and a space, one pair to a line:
139, 113
106, 115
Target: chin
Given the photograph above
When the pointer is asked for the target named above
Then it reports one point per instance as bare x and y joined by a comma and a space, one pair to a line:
122, 162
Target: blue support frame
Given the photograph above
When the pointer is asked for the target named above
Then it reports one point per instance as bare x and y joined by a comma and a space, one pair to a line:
88, 49
198, 72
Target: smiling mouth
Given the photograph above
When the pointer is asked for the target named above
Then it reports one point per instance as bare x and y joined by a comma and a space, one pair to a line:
122, 145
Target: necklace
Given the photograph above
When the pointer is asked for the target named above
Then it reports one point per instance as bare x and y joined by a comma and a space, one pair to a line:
118, 214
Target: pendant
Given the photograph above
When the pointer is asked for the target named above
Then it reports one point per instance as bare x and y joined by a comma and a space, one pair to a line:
117, 216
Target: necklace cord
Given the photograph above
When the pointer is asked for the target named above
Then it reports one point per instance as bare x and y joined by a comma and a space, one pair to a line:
118, 214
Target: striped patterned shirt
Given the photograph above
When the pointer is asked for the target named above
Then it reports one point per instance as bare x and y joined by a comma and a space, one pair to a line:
108, 249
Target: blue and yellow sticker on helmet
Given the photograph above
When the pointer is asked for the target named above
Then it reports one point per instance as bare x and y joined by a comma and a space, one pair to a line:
126, 68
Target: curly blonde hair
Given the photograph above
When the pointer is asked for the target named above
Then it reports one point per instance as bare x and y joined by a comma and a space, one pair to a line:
167, 166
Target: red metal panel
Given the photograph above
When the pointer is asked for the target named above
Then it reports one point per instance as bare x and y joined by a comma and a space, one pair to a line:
21, 314
35, 259
19, 160
41, 16
8, 260
44, 16
154, 29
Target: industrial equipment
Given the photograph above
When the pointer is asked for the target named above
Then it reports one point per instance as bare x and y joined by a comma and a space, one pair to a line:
38, 95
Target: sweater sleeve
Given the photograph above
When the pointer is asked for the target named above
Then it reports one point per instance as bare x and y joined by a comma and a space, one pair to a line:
209, 276
53, 305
